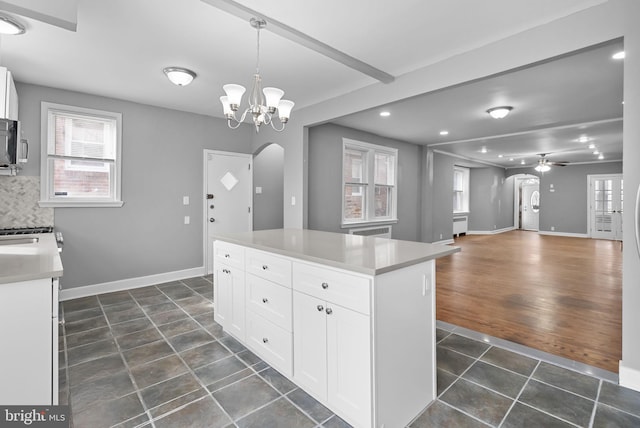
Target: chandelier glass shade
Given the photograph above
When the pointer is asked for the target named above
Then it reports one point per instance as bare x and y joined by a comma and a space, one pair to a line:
263, 103
542, 166
499, 112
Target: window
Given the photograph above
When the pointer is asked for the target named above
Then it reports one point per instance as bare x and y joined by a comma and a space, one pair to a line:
460, 189
369, 182
81, 151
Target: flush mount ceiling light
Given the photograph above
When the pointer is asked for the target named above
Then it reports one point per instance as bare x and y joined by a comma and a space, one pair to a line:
444, 132
10, 26
618, 55
262, 107
499, 112
385, 113
179, 76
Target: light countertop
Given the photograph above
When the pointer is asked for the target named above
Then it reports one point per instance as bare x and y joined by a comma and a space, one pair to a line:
28, 261
363, 254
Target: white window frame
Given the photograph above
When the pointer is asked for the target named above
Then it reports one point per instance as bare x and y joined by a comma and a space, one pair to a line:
368, 182
465, 188
47, 198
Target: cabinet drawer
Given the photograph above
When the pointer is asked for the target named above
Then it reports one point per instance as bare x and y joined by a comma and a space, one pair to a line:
341, 288
229, 254
270, 300
268, 266
271, 343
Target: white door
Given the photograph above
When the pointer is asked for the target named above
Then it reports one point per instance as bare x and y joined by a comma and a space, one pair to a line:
531, 206
310, 344
228, 182
605, 206
349, 363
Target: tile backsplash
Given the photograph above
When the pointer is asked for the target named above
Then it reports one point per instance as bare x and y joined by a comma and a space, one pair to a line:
19, 207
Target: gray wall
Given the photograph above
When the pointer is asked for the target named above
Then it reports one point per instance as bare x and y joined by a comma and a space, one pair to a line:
442, 197
162, 154
566, 207
268, 173
325, 180
490, 199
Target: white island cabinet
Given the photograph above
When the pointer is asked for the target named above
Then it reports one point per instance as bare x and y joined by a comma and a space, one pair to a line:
349, 319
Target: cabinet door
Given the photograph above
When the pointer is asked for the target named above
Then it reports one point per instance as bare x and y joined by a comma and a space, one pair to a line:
229, 305
349, 364
310, 344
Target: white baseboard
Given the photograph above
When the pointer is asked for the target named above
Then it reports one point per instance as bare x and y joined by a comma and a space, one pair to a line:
569, 235
490, 232
444, 242
629, 378
129, 283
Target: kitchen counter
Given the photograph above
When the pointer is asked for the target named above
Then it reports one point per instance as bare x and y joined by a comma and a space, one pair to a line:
29, 261
363, 254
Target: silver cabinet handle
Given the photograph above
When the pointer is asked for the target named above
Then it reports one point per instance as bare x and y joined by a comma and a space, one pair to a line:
265, 340
265, 267
325, 285
226, 256
265, 300
329, 311
320, 308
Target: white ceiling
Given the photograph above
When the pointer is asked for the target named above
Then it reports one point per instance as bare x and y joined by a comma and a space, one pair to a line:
121, 46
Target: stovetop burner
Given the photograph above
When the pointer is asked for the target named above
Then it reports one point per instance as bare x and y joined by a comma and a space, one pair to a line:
26, 230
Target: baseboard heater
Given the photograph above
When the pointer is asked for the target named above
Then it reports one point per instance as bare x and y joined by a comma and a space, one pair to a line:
377, 231
460, 225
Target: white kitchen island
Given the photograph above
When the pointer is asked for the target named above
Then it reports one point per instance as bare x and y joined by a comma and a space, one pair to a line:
349, 319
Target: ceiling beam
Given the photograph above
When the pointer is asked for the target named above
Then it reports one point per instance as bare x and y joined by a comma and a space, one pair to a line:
61, 13
302, 39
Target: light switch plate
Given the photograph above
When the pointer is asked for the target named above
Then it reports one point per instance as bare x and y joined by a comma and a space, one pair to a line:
185, 200
187, 219
258, 190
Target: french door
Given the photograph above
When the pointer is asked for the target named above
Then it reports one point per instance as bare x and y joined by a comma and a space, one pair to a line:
606, 206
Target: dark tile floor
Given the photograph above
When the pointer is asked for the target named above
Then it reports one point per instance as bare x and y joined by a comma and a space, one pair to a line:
154, 357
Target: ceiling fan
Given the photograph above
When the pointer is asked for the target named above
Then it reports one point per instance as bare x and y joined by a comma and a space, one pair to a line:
545, 164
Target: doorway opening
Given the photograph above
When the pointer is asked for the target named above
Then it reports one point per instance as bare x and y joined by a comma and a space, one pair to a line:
526, 202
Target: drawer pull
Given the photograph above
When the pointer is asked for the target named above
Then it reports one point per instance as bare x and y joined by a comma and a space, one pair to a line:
320, 308
325, 285
265, 300
265, 267
226, 271
329, 311
226, 256
265, 340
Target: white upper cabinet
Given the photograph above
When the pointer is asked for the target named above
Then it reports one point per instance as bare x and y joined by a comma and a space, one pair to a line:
8, 96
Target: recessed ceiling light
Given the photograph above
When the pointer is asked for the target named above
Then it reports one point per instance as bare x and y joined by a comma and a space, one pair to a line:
10, 26
592, 146
601, 156
499, 112
483, 150
618, 55
385, 113
595, 152
522, 162
179, 76
444, 132
500, 156
583, 139
511, 159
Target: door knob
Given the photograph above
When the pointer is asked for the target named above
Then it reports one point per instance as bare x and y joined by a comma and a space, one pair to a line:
320, 308
211, 206
329, 311
212, 219
325, 285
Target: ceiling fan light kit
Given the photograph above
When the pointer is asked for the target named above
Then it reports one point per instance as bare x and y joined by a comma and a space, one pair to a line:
263, 103
499, 112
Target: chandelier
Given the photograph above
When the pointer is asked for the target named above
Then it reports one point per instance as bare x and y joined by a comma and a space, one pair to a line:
263, 103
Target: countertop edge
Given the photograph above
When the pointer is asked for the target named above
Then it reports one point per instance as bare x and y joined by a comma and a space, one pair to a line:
336, 264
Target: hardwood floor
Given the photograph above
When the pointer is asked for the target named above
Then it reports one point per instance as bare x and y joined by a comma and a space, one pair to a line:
556, 294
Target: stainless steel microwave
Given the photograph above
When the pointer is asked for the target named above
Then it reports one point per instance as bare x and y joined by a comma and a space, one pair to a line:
13, 151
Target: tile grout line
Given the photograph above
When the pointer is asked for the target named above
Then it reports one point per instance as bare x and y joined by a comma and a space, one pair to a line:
595, 405
504, 418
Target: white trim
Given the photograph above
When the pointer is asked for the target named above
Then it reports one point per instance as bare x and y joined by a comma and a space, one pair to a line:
490, 232
466, 158
444, 242
590, 179
569, 235
629, 378
129, 283
517, 180
46, 199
